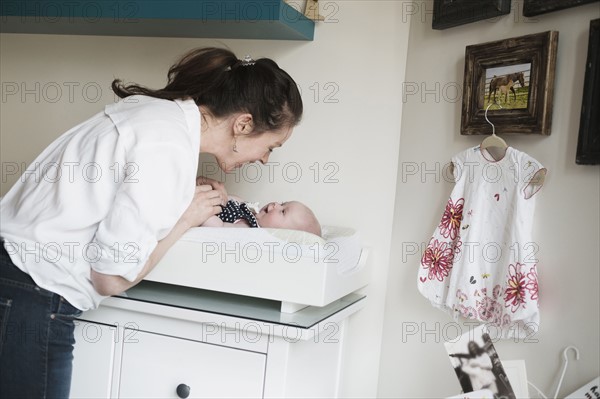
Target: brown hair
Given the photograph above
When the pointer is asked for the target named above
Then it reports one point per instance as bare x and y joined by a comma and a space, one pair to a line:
217, 79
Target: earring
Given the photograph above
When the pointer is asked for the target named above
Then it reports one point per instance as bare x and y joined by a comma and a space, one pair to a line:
235, 145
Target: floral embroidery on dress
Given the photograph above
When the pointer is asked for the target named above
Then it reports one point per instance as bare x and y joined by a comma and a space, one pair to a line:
461, 295
457, 244
489, 308
467, 311
532, 285
497, 291
514, 295
438, 258
451, 219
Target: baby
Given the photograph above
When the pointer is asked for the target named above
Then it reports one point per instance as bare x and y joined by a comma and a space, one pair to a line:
291, 215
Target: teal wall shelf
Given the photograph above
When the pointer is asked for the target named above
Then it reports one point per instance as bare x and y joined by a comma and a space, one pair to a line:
227, 19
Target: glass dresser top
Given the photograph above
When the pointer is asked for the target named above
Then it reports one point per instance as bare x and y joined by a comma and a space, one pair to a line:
234, 305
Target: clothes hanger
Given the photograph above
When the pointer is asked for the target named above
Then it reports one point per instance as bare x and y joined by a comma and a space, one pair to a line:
565, 365
493, 140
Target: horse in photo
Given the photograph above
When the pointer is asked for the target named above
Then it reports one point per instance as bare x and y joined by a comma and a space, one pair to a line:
506, 81
504, 90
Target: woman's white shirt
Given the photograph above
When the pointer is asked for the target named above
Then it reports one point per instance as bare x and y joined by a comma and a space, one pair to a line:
102, 195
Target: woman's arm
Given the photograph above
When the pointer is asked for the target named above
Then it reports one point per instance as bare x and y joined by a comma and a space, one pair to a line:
213, 221
107, 284
204, 205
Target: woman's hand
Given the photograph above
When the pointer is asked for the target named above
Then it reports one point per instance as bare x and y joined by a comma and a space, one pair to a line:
206, 203
216, 185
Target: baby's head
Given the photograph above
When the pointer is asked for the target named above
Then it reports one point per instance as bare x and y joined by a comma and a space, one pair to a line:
291, 215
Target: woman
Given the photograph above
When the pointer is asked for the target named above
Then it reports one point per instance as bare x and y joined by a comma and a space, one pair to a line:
97, 210
479, 368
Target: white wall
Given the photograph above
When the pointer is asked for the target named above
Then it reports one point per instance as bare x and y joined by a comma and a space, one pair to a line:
361, 56
567, 219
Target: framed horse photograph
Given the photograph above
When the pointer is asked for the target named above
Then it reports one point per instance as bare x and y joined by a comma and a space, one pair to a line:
450, 13
512, 78
531, 8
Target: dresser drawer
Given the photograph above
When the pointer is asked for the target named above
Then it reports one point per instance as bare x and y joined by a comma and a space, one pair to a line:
93, 362
154, 365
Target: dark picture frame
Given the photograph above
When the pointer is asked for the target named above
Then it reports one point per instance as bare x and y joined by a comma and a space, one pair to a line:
531, 8
588, 143
450, 13
536, 52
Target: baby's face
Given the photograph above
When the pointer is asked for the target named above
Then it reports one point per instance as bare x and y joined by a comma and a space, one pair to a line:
286, 215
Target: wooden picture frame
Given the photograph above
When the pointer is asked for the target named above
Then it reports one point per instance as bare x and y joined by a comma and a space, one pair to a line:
531, 8
517, 75
588, 143
449, 13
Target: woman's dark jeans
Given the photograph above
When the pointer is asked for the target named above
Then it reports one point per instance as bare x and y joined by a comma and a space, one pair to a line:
36, 337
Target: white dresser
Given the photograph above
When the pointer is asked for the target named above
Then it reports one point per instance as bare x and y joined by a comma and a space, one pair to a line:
166, 341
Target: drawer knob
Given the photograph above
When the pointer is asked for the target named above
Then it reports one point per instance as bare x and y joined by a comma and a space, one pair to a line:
183, 391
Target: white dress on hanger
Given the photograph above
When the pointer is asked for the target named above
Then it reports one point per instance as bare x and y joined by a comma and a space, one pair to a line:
480, 262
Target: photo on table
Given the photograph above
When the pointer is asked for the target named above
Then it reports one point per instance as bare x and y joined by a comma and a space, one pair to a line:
477, 365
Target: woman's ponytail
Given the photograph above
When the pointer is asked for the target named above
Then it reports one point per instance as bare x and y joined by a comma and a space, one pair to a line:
217, 79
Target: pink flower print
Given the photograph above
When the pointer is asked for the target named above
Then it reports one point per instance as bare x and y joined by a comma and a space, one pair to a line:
457, 244
467, 311
497, 290
438, 258
461, 295
532, 284
505, 320
451, 219
489, 310
514, 294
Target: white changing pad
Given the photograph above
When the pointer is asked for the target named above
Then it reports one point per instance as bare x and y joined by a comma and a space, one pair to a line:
283, 265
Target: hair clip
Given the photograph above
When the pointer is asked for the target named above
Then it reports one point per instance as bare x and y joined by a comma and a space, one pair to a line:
247, 61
